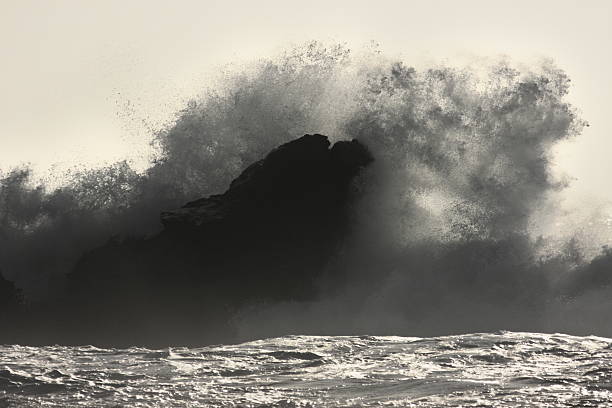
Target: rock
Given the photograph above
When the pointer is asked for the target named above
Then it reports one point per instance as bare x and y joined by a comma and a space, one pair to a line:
303, 170
9, 295
266, 239
10, 311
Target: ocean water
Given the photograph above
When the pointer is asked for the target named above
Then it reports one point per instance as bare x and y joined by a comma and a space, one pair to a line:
503, 369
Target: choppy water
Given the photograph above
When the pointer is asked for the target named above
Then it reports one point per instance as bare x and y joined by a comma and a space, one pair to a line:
475, 370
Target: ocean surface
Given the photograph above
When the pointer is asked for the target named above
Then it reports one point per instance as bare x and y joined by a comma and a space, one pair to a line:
503, 369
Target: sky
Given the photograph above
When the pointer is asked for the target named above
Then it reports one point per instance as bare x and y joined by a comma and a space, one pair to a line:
87, 82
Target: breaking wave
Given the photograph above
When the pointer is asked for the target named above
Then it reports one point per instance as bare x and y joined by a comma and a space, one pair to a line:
444, 238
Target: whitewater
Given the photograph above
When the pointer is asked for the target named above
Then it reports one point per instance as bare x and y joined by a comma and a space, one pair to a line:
508, 369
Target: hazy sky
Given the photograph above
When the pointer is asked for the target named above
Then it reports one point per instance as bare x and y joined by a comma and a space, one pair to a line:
77, 77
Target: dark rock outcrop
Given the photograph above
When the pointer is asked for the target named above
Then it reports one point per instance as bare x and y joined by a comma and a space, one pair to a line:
303, 173
9, 295
10, 311
266, 239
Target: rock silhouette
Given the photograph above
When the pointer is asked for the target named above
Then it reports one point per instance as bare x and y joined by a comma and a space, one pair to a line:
10, 303
9, 295
266, 239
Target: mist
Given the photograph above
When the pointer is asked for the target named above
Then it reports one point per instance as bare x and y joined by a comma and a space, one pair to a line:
446, 228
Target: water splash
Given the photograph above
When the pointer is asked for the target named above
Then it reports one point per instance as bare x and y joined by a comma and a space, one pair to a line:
443, 237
